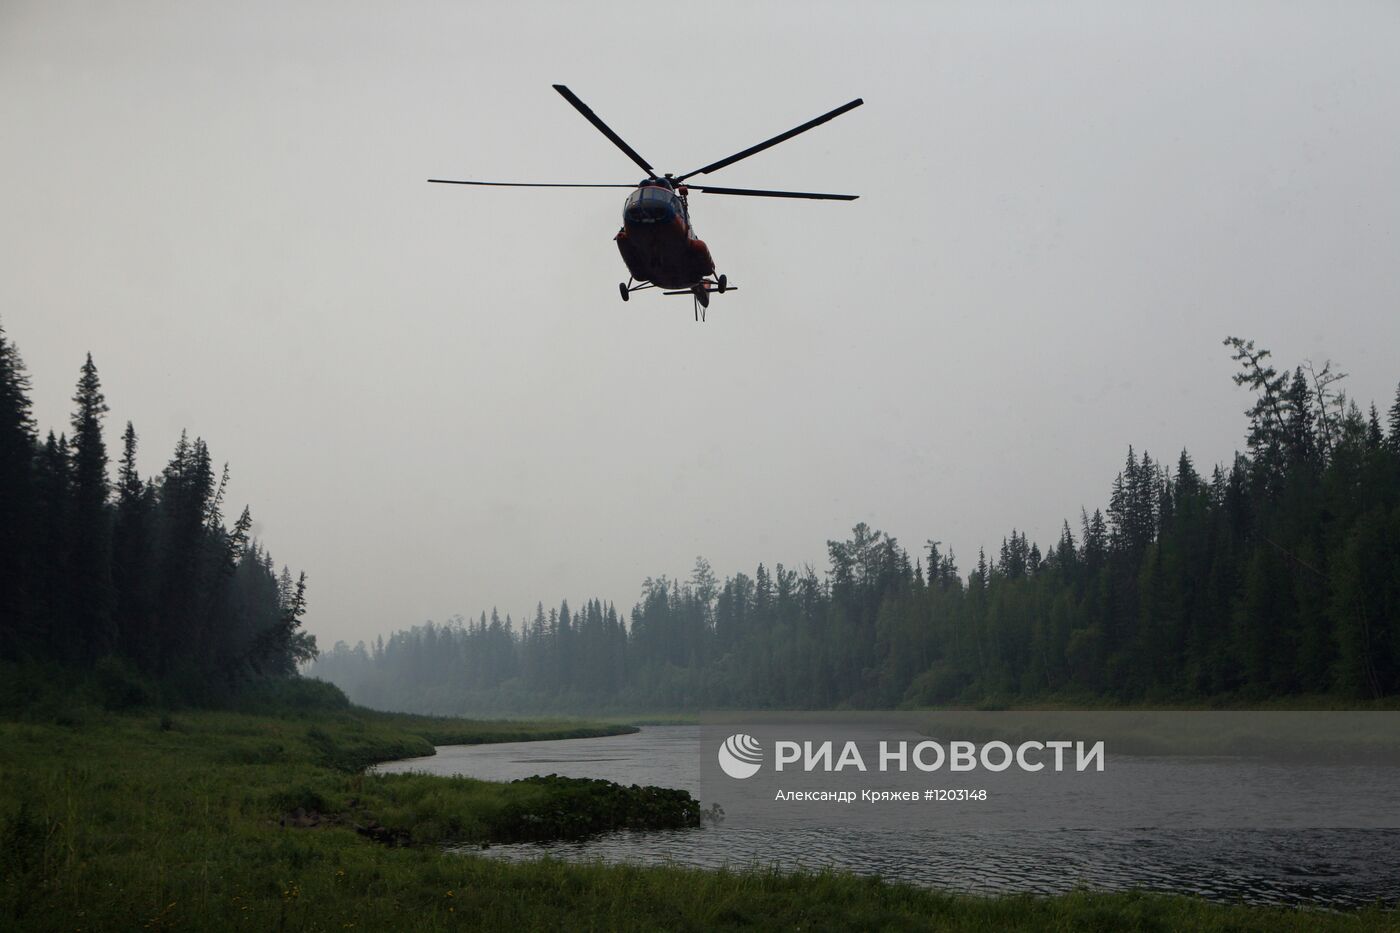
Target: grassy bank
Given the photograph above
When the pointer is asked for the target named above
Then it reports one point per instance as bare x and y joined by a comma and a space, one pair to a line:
261, 820
1057, 702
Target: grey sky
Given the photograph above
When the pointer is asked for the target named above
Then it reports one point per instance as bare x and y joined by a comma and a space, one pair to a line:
435, 401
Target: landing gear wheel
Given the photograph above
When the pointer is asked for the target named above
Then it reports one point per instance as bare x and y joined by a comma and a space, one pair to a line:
622, 287
723, 283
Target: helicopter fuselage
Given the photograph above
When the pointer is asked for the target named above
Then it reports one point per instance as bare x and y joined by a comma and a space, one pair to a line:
657, 242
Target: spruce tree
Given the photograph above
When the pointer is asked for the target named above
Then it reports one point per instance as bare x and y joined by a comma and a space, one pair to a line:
17, 514
1375, 439
1299, 436
91, 567
1394, 439
53, 498
131, 555
1188, 481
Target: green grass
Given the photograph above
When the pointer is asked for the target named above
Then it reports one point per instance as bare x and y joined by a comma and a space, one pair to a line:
192, 820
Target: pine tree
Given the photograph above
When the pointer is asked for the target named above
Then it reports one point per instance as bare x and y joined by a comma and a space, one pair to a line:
131, 555
279, 648
53, 488
185, 571
91, 568
1095, 537
1394, 419
1299, 434
1375, 439
1066, 556
1266, 418
17, 515
1188, 481
1328, 399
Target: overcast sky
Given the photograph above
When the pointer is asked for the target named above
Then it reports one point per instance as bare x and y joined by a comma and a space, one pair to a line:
435, 401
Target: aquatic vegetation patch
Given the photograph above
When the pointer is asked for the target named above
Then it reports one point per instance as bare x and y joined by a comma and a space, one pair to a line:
572, 808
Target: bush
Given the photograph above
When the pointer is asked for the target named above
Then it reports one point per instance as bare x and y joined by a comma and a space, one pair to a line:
941, 683
119, 687
306, 798
574, 808
291, 694
35, 691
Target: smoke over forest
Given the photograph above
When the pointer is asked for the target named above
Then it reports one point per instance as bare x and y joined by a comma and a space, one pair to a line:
1277, 574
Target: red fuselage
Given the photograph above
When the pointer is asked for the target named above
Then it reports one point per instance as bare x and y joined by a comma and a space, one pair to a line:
657, 242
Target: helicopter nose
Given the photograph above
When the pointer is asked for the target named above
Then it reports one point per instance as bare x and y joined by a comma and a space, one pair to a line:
650, 214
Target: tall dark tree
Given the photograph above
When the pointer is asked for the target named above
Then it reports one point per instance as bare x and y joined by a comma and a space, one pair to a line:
1266, 418
1394, 420
91, 566
131, 555
278, 648
17, 515
52, 593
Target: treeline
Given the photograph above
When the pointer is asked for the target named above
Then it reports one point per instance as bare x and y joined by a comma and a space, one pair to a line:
1277, 574
140, 577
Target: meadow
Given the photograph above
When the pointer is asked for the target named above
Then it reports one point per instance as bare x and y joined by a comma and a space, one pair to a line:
263, 818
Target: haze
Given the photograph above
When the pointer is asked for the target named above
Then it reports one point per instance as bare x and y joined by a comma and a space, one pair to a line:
433, 398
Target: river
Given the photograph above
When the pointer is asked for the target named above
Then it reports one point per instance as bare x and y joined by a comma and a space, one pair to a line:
1324, 867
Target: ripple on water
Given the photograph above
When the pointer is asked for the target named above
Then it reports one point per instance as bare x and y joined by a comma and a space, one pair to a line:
1333, 868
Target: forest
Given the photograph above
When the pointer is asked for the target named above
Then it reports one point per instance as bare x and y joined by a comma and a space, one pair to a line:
1274, 575
139, 580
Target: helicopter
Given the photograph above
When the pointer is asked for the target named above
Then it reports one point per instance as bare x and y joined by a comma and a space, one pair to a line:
657, 241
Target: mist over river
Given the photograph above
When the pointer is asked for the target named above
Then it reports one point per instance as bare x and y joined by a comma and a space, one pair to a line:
1327, 867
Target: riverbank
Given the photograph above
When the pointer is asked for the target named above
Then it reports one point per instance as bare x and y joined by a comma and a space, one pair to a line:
264, 820
1052, 703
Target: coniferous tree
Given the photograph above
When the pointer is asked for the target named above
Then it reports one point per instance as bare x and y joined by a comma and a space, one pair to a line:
17, 514
1375, 438
91, 581
131, 555
53, 487
1266, 418
1394, 419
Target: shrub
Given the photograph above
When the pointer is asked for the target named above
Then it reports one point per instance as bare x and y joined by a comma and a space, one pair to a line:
119, 687
291, 694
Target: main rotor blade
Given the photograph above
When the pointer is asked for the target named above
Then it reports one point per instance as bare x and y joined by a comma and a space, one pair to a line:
523, 184
711, 189
753, 150
606, 130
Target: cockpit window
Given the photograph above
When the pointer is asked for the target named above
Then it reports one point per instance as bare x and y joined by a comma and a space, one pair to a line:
649, 196
652, 204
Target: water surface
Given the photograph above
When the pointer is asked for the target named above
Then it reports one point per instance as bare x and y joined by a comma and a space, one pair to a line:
1327, 867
